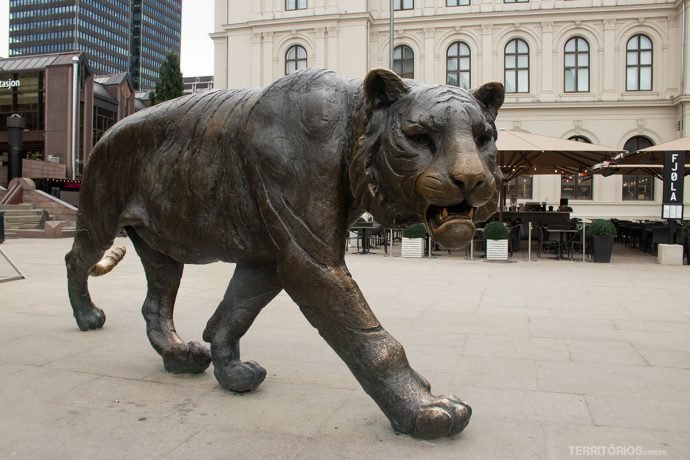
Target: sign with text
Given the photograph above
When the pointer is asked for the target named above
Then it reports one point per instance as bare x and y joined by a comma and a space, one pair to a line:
674, 168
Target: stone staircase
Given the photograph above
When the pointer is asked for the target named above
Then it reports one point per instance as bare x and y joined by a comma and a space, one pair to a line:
31, 213
23, 217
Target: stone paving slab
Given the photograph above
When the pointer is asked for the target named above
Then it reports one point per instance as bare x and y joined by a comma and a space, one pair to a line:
557, 358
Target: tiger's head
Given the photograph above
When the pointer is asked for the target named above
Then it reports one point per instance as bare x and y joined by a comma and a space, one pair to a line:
427, 153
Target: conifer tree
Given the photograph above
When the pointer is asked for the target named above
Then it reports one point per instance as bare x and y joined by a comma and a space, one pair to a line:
170, 84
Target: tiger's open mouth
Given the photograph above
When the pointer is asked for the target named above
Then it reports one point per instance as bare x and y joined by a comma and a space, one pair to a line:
451, 226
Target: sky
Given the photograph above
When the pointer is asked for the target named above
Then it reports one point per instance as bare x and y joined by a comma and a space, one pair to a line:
196, 55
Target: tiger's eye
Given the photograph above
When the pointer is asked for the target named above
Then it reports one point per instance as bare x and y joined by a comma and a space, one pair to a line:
483, 140
422, 140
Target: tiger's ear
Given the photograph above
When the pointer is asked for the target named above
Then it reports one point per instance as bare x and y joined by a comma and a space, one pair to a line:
491, 95
382, 88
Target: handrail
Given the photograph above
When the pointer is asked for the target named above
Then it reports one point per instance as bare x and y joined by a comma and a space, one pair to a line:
9, 196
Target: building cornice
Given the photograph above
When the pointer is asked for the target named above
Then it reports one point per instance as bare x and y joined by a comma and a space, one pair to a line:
662, 104
296, 22
622, 12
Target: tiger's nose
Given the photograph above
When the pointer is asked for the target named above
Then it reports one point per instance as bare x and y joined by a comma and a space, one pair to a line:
469, 182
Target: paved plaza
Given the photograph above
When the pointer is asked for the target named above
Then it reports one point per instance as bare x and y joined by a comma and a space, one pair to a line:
559, 360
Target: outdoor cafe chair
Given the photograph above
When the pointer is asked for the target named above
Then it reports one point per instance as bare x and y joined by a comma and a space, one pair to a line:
546, 243
575, 244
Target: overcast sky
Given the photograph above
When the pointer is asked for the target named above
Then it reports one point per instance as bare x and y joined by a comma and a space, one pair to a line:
197, 47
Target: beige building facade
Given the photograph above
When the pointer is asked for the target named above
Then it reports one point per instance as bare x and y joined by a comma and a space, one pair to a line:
613, 72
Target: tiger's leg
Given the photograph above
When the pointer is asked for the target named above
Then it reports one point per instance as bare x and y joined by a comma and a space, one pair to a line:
86, 251
251, 288
163, 276
333, 303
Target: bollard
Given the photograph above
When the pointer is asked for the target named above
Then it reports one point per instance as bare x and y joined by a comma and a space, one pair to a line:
2, 227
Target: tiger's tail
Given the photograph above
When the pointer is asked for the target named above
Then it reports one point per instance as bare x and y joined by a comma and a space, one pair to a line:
110, 259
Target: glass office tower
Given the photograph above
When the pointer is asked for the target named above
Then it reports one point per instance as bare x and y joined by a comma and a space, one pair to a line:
117, 35
156, 28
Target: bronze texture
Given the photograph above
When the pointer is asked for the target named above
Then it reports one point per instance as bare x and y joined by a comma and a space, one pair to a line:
272, 180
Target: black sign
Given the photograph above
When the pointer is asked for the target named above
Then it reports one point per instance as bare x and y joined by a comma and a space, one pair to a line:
674, 169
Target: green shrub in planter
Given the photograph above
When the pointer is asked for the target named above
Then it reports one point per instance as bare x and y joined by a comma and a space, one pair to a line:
495, 230
602, 232
602, 227
414, 231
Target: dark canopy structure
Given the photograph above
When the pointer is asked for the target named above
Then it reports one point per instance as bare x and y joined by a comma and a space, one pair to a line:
647, 161
525, 153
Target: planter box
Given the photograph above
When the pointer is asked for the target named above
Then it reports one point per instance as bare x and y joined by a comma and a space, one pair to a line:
412, 247
496, 249
670, 254
602, 246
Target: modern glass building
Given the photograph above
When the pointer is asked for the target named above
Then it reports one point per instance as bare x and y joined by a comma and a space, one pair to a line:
155, 30
117, 35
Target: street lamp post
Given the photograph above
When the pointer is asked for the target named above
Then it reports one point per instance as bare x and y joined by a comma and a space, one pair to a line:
390, 34
75, 114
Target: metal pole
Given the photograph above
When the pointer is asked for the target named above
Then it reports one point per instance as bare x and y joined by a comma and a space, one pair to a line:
390, 35
584, 241
20, 275
682, 51
529, 242
75, 114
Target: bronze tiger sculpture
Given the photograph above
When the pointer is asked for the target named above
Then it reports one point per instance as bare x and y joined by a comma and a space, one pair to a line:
272, 180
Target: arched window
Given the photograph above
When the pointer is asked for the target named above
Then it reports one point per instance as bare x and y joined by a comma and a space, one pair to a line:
458, 65
579, 138
295, 59
638, 187
403, 61
517, 66
576, 65
638, 63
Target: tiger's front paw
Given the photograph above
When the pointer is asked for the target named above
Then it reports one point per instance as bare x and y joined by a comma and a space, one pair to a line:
240, 376
445, 416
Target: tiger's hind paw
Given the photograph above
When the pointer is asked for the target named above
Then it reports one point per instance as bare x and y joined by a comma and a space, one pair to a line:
190, 358
88, 319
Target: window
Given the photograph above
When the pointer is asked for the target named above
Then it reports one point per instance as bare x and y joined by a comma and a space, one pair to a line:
517, 66
515, 1
103, 119
403, 61
403, 5
576, 186
295, 59
580, 139
458, 65
638, 187
519, 187
26, 98
576, 67
457, 2
638, 62
295, 4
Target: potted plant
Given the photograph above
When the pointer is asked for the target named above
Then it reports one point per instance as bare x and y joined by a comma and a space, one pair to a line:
413, 241
496, 236
602, 232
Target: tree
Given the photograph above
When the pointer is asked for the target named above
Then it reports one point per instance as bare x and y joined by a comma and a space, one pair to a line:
170, 84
